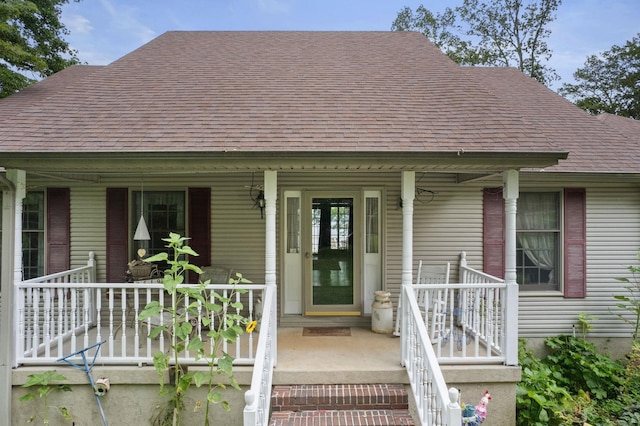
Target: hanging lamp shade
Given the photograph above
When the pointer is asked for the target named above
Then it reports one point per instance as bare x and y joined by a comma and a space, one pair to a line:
142, 233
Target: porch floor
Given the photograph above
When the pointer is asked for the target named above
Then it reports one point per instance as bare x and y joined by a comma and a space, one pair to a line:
361, 357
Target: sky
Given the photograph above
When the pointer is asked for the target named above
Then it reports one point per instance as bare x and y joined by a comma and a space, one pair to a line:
105, 30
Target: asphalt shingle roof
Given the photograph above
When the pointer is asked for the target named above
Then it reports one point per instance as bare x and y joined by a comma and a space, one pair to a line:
298, 92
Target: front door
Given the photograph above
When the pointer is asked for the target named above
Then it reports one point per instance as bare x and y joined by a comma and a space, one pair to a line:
330, 239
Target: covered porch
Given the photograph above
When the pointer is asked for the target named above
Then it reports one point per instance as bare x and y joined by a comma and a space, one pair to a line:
63, 313
59, 314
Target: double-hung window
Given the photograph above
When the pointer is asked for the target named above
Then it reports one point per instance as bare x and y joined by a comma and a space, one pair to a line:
33, 235
550, 239
538, 241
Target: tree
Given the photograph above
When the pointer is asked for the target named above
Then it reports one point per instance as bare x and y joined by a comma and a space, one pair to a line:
609, 82
502, 33
31, 43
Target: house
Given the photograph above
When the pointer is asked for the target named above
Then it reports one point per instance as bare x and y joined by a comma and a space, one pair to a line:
315, 161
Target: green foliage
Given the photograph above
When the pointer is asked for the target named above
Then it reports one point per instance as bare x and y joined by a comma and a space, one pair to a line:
630, 303
576, 385
609, 82
207, 310
494, 32
45, 383
580, 366
539, 399
31, 42
584, 322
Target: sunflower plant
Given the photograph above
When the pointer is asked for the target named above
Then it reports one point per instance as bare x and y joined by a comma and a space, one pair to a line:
201, 325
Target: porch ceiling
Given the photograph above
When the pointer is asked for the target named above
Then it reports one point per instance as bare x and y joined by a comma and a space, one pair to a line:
199, 163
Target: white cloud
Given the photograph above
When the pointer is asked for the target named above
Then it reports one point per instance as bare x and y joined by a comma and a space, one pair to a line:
78, 24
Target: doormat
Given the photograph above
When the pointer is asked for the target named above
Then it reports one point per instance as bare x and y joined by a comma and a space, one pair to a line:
326, 331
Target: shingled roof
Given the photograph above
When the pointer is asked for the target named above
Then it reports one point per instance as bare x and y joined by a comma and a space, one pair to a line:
594, 146
291, 92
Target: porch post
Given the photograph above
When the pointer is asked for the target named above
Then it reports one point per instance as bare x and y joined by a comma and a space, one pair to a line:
13, 191
270, 198
510, 195
408, 193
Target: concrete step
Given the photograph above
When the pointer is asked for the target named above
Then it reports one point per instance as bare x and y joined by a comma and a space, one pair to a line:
352, 404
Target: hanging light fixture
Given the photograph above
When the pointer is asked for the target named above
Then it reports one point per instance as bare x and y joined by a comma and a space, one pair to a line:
142, 233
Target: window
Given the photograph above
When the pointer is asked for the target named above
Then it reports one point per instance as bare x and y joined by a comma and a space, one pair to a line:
550, 238
164, 212
33, 219
372, 224
538, 239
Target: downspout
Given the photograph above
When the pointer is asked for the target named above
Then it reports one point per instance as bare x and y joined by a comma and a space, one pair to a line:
13, 191
510, 191
408, 193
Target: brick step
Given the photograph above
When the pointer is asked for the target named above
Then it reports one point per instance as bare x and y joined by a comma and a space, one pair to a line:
341, 417
366, 404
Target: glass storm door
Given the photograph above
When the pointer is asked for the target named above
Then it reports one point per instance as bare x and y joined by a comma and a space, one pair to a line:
331, 253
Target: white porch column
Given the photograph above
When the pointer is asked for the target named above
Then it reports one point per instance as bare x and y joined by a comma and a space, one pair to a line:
510, 191
270, 199
13, 192
407, 194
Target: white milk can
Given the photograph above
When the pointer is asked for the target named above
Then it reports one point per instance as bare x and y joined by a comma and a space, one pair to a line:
382, 313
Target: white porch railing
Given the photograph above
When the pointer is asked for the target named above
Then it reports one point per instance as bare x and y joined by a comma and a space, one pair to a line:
436, 405
62, 313
258, 397
462, 323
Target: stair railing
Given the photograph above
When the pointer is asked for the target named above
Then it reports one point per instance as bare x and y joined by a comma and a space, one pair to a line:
258, 397
436, 405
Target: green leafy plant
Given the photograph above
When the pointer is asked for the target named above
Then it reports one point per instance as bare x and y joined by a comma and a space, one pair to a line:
580, 366
220, 317
540, 401
630, 303
584, 322
45, 383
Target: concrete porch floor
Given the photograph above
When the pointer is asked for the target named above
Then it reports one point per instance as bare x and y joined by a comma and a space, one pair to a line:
362, 357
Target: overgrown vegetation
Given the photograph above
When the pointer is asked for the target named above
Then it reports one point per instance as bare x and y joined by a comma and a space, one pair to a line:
630, 303
45, 383
576, 385
195, 314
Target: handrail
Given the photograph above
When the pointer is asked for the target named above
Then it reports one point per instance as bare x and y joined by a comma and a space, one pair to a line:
55, 318
53, 278
436, 405
465, 321
258, 397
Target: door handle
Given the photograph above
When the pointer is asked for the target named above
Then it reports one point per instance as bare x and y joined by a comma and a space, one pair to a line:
307, 255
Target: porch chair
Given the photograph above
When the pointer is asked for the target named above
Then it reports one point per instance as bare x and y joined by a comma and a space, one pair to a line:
439, 298
431, 275
217, 274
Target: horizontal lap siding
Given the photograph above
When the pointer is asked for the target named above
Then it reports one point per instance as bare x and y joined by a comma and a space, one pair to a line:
613, 240
88, 227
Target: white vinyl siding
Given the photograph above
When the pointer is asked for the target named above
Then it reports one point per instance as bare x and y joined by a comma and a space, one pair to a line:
443, 227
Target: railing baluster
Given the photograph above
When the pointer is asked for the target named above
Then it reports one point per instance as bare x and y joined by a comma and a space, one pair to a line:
111, 330
136, 331
73, 317
123, 319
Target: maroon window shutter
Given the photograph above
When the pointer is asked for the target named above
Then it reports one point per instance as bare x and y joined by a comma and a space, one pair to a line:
117, 234
493, 232
575, 243
58, 230
200, 227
